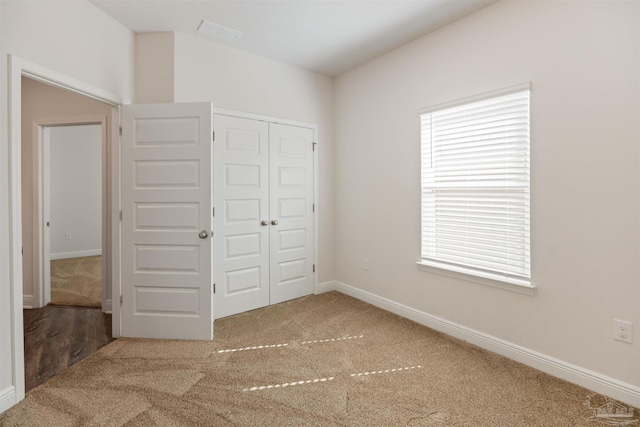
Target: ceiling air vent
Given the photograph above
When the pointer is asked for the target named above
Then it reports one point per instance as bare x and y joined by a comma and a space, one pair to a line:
218, 31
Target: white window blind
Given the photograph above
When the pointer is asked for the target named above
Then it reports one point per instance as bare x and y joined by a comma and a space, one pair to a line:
475, 187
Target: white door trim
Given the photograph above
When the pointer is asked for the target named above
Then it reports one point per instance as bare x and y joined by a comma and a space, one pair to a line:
42, 286
19, 67
272, 119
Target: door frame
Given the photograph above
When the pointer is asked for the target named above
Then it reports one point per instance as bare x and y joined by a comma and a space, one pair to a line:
18, 68
316, 151
41, 255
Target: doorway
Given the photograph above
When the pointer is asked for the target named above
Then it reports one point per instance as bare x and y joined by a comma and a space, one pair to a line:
70, 133
65, 144
12, 263
72, 211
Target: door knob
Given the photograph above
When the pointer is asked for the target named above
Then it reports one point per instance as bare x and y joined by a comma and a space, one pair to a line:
203, 234
274, 222
264, 222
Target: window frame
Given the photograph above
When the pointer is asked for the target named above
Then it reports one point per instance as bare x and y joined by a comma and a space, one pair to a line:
471, 274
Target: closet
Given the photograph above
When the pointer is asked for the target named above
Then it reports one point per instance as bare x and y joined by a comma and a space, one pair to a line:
263, 174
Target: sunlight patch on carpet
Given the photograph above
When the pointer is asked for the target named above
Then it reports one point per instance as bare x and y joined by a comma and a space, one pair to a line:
255, 347
283, 385
385, 371
333, 339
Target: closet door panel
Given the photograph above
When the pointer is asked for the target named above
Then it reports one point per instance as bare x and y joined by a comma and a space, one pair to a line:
291, 206
241, 198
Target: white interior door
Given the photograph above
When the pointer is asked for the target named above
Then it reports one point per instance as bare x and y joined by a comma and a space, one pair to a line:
291, 205
166, 249
241, 157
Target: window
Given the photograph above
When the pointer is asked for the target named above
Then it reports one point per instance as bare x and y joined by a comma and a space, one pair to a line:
475, 187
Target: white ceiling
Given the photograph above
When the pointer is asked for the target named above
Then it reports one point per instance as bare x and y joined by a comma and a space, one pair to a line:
326, 36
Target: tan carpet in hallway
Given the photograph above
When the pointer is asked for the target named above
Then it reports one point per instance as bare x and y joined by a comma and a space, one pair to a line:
323, 360
77, 281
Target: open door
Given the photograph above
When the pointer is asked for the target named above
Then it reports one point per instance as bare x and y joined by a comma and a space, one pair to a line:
166, 243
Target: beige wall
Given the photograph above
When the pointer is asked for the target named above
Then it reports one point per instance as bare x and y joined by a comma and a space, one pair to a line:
76, 180
584, 64
73, 38
154, 67
80, 41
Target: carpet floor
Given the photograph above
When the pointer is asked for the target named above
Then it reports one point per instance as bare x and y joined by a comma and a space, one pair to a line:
324, 360
77, 281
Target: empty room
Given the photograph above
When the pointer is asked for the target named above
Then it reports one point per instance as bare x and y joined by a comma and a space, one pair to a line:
318, 212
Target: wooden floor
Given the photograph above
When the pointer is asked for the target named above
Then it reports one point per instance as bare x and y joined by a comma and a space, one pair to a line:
57, 337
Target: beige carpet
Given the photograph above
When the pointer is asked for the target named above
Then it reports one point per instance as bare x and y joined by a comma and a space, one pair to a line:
77, 281
317, 361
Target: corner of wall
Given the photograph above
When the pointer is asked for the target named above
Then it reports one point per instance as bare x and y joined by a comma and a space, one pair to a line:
173, 65
154, 67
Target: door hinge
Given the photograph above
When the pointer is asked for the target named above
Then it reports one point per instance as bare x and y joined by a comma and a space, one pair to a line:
120, 130
313, 146
314, 268
120, 215
213, 136
120, 299
314, 207
214, 288
213, 211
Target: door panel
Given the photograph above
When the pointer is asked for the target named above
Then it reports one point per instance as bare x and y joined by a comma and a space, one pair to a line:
166, 202
241, 157
291, 205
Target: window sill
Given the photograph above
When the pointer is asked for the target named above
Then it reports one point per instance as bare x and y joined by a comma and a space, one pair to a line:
513, 285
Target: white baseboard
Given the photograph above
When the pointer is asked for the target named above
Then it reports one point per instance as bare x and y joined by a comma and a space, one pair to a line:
7, 398
625, 392
76, 254
327, 287
27, 301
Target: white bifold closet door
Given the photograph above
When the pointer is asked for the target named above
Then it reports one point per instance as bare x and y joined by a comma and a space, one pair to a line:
263, 195
291, 207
